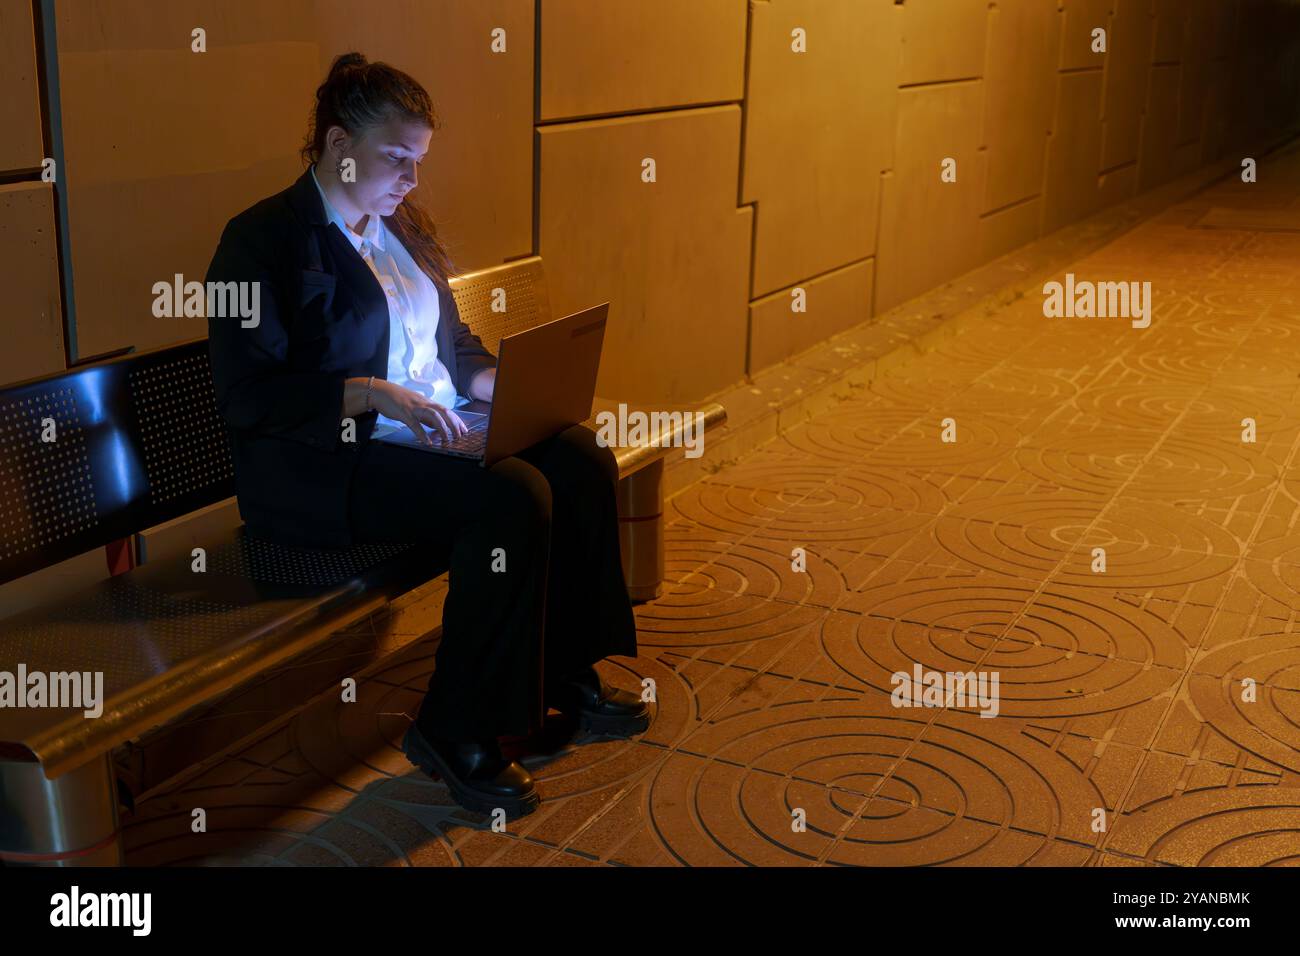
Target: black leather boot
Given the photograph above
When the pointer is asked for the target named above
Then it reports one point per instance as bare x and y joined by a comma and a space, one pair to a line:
479, 777
599, 709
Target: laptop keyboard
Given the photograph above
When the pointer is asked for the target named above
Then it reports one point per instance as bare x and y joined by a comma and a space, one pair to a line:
473, 440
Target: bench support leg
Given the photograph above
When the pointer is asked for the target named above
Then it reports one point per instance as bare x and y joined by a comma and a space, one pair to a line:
69, 821
641, 531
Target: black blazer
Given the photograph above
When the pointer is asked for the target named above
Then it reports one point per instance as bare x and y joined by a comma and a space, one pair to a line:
279, 385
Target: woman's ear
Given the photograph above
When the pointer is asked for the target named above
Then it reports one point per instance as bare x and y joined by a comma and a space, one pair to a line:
338, 143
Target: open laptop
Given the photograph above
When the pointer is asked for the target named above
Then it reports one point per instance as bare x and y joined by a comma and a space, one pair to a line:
546, 381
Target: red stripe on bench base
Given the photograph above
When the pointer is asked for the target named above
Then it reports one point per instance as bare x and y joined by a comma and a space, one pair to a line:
121, 556
642, 517
54, 857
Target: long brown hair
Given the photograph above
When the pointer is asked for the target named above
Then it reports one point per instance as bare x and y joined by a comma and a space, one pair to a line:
357, 95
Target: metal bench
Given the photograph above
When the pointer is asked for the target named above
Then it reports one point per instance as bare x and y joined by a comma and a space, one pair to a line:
138, 442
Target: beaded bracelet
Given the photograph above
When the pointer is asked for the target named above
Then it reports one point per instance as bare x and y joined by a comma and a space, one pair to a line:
369, 385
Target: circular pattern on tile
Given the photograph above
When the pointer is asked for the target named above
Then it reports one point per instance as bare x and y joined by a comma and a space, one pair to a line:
1144, 407
978, 346
1230, 404
971, 768
689, 616
1256, 366
687, 548
1188, 365
872, 490
789, 476
1018, 391
1196, 468
729, 510
1146, 545
766, 572
1101, 339
1276, 573
1270, 658
878, 532
1236, 302
1066, 655
1291, 488
1279, 332
1037, 680
1152, 545
920, 384
995, 391
1268, 726
1173, 342
857, 509
1283, 550
1063, 625
1095, 462
923, 382
1209, 325
893, 834
757, 767
1053, 354
1057, 653
919, 446
852, 436
1224, 826
822, 758
1017, 535
953, 607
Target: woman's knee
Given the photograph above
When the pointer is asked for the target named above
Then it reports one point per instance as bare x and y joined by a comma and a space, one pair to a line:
520, 490
584, 452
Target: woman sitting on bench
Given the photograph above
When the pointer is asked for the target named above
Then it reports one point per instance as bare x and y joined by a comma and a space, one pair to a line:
354, 300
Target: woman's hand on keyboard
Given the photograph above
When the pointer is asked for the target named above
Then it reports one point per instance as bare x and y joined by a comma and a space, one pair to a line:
415, 411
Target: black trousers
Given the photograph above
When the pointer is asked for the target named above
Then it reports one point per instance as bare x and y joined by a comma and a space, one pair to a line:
536, 577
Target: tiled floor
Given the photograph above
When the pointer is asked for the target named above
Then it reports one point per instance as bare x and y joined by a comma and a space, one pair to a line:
1124, 735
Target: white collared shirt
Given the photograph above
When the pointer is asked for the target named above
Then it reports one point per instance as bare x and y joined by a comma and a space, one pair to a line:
413, 309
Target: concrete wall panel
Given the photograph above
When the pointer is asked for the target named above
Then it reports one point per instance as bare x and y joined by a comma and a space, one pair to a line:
1160, 128
1080, 18
833, 302
943, 40
672, 256
1024, 36
1215, 110
1009, 228
1074, 150
934, 123
819, 131
1128, 64
1171, 24
22, 145
29, 274
621, 55
1195, 78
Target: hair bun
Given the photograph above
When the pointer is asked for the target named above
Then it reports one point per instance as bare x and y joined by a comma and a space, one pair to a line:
346, 60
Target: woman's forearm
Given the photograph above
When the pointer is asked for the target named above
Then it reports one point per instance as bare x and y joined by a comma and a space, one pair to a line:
482, 385
354, 397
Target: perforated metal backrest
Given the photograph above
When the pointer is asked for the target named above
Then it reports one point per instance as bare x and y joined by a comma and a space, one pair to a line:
94, 454
525, 302
184, 439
